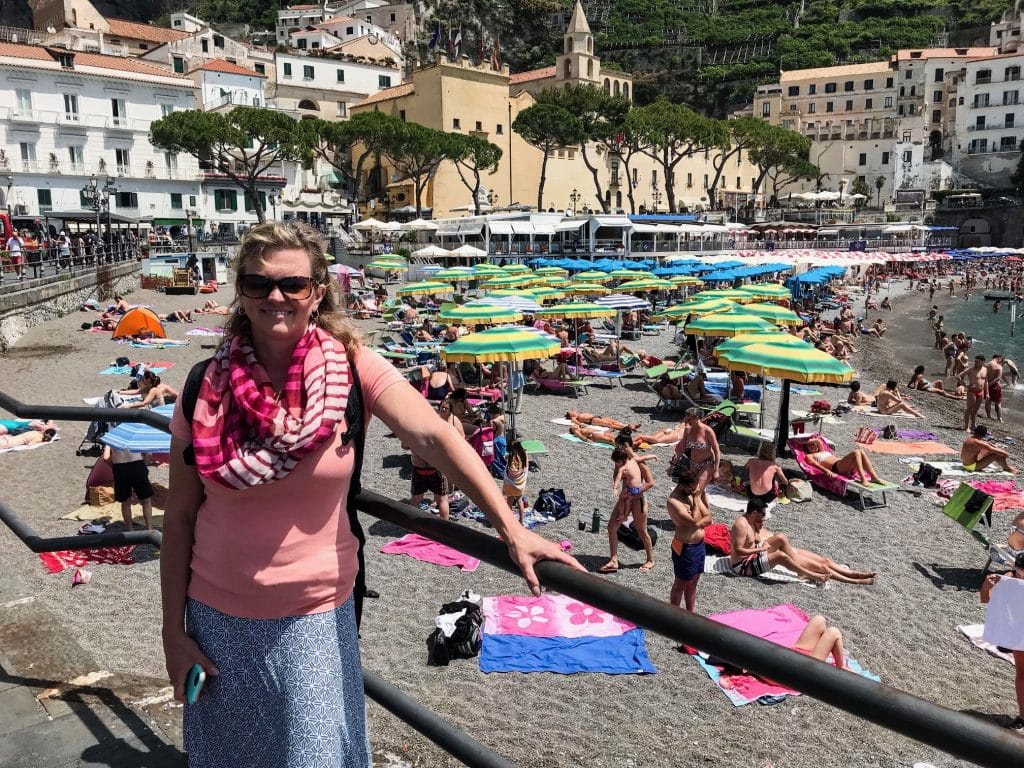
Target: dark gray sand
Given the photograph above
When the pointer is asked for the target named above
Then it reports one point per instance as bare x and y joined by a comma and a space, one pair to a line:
903, 628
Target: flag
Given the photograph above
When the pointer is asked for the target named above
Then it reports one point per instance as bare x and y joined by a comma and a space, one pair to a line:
435, 38
458, 42
495, 55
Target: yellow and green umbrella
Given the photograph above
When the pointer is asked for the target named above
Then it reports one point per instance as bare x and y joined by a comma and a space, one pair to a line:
386, 266
775, 338
585, 289
580, 310
766, 290
592, 276
558, 271
488, 270
553, 281
806, 365
685, 280
726, 324
773, 312
681, 311
510, 281
724, 293
480, 313
628, 274
457, 274
425, 288
545, 294
646, 284
516, 269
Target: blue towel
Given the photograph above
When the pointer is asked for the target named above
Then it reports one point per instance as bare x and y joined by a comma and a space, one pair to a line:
794, 390
751, 392
126, 370
623, 654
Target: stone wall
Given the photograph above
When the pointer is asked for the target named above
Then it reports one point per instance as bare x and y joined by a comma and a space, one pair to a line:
35, 301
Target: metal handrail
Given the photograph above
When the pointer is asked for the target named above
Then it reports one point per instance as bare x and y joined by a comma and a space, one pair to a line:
958, 734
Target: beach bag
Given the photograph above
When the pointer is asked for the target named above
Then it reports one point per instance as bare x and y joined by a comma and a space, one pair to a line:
889, 433
482, 441
628, 535
927, 475
553, 503
463, 637
799, 490
122, 362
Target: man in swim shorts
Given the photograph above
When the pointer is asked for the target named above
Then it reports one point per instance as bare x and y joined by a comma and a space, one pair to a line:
691, 516
977, 453
426, 478
994, 375
976, 381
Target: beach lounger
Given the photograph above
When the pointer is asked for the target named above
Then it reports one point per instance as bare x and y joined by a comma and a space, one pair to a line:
970, 508
576, 387
612, 377
838, 484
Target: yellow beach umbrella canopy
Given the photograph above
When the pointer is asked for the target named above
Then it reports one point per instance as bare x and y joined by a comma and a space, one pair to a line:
766, 290
516, 269
685, 280
592, 276
646, 284
807, 366
509, 281
577, 311
480, 313
425, 288
510, 343
773, 312
736, 295
681, 311
585, 289
726, 324
558, 271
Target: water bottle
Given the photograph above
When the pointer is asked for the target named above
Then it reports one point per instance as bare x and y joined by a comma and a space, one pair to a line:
595, 523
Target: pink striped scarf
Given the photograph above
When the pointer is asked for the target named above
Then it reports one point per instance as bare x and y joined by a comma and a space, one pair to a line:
245, 435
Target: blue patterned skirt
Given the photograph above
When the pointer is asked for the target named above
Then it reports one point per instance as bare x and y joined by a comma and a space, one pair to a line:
289, 693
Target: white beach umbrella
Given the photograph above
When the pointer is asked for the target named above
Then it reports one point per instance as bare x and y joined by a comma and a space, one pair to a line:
468, 251
420, 225
368, 224
432, 252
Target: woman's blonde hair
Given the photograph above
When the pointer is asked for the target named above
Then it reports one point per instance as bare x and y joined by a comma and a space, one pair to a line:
273, 236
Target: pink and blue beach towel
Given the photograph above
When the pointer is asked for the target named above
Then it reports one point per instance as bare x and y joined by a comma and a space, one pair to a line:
781, 625
555, 633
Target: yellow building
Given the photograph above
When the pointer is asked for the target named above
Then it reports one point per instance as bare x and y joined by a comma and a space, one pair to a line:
461, 97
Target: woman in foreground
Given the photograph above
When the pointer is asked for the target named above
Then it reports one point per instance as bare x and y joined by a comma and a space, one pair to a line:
259, 559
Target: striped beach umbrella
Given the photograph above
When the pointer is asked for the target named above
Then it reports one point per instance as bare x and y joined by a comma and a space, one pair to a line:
488, 270
424, 288
681, 311
507, 344
386, 266
592, 276
775, 313
523, 302
455, 274
628, 274
140, 438
576, 311
766, 290
558, 271
622, 301
516, 269
480, 313
685, 280
726, 324
724, 293
546, 294
775, 338
509, 281
806, 365
553, 281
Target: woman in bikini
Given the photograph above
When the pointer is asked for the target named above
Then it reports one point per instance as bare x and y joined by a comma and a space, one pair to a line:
32, 437
697, 443
597, 434
153, 391
855, 464
765, 476
599, 421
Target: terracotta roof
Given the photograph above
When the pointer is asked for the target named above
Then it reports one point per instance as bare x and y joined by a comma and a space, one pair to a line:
222, 65
1000, 56
904, 54
136, 31
96, 60
405, 89
533, 74
871, 68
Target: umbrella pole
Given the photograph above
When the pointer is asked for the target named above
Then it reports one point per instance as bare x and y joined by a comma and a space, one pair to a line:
782, 430
510, 409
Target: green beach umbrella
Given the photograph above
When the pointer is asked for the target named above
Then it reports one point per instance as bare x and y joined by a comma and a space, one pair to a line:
585, 289
509, 281
516, 269
386, 266
488, 270
424, 288
766, 290
628, 274
480, 313
558, 271
553, 281
726, 324
685, 280
681, 311
592, 276
724, 293
646, 284
577, 311
807, 365
775, 338
545, 294
773, 312
456, 274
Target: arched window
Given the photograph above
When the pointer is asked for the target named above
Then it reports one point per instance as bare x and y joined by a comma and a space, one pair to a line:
618, 200
567, 70
590, 68
590, 46
309, 104
615, 89
625, 90
607, 86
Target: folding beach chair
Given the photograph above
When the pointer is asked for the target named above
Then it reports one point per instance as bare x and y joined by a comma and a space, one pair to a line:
968, 507
838, 484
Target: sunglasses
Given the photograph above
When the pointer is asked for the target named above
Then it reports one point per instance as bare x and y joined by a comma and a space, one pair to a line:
260, 286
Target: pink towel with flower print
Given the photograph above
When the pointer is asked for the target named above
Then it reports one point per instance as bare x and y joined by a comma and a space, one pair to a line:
549, 616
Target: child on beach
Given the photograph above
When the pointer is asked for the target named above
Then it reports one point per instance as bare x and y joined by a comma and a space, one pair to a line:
635, 479
1006, 628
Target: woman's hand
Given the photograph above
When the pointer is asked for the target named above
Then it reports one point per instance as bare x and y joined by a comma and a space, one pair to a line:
526, 548
180, 653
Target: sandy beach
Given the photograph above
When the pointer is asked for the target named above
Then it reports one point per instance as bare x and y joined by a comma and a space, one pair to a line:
903, 628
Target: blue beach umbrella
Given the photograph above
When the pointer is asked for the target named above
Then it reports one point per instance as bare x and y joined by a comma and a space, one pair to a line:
140, 438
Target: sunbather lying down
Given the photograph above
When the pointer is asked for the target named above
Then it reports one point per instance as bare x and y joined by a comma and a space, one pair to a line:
597, 435
32, 437
11, 427
599, 421
855, 464
211, 307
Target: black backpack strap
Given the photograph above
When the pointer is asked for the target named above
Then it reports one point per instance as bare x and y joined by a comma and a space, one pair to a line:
189, 397
355, 430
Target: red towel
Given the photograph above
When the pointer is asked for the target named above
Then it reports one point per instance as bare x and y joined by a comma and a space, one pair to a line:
55, 562
716, 536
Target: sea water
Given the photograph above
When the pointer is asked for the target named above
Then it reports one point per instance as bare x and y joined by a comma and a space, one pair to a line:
991, 333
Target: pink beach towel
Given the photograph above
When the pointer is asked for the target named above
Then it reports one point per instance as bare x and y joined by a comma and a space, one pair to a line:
55, 562
430, 551
549, 616
1005, 493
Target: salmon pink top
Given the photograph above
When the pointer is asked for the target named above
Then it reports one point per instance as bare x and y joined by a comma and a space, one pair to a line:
283, 548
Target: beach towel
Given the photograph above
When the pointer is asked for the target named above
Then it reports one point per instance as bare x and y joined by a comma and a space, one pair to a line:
573, 439
556, 633
974, 632
870, 410
909, 435
823, 418
795, 390
55, 562
200, 331
782, 625
430, 551
721, 497
569, 423
910, 448
720, 566
156, 366
1004, 493
954, 468
30, 447
157, 343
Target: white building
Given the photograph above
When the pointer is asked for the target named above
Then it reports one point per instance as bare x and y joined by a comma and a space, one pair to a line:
990, 118
223, 84
348, 28
326, 85
69, 115
398, 19
312, 39
206, 44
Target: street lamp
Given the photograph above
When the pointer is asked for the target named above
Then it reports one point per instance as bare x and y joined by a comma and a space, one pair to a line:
108, 190
274, 198
574, 196
91, 198
656, 196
